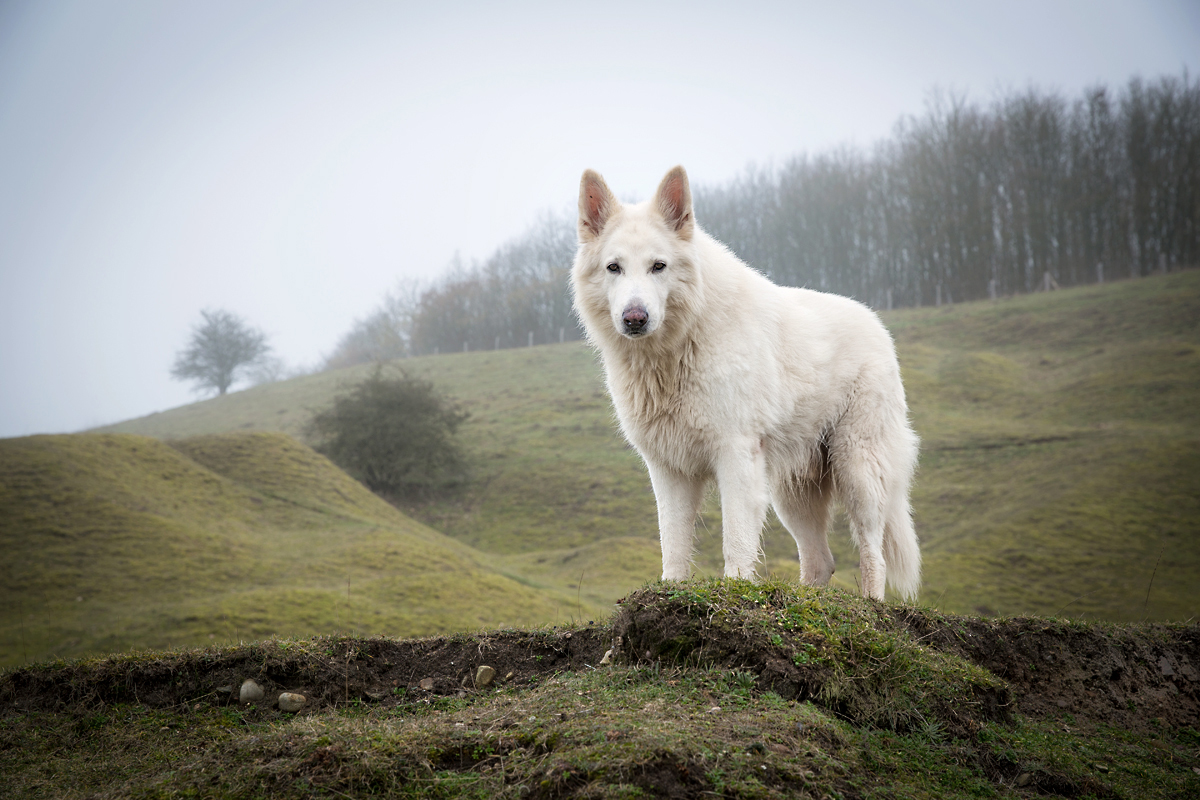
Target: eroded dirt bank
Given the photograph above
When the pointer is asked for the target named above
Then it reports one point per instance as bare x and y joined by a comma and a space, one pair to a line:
1121, 675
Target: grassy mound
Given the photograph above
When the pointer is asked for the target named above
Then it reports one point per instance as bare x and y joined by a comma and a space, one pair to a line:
812, 644
120, 541
1060, 465
696, 705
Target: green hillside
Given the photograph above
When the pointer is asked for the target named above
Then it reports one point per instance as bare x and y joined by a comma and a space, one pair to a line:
115, 541
1060, 466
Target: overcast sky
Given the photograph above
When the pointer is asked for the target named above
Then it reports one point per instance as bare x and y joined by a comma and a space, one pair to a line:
289, 161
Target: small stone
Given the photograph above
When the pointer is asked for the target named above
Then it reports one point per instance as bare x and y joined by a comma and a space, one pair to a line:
292, 702
224, 690
250, 692
1062, 702
1101, 767
1164, 666
508, 677
713, 710
426, 684
607, 657
1024, 778
484, 676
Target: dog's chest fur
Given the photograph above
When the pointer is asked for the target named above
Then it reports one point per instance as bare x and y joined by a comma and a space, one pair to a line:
664, 409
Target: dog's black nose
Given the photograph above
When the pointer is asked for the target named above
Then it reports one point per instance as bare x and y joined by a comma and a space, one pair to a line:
635, 319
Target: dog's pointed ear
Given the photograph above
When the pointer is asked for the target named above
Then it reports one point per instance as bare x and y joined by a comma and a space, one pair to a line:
596, 205
674, 201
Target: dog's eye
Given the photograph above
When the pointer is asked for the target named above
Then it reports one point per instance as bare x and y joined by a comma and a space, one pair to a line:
614, 267
659, 266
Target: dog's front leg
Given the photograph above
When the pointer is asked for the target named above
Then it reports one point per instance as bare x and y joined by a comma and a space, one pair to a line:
742, 480
678, 497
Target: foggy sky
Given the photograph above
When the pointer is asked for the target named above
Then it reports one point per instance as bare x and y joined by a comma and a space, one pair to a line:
288, 161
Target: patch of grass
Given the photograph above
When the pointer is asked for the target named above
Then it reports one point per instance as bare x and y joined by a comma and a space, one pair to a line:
1058, 468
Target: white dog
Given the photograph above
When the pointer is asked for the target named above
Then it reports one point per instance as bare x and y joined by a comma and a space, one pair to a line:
783, 395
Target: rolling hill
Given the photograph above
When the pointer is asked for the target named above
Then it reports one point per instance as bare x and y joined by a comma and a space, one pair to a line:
1060, 466
118, 541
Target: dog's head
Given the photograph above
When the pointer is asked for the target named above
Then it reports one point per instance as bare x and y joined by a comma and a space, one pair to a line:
635, 274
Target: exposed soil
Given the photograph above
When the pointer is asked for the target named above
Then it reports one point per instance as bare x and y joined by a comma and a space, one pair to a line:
1125, 675
326, 671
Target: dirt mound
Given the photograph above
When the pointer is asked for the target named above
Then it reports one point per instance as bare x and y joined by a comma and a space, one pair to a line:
809, 649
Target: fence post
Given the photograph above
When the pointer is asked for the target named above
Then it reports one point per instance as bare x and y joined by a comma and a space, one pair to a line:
531, 338
889, 299
992, 290
562, 332
938, 295
466, 346
497, 342
1099, 272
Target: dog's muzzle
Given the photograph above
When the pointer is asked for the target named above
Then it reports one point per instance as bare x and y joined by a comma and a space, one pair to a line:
635, 319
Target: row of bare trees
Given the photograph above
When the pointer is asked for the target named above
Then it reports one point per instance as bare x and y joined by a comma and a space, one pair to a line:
968, 200
517, 297
518, 293
964, 201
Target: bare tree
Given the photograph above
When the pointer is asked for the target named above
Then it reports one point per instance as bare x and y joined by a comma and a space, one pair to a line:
384, 335
222, 348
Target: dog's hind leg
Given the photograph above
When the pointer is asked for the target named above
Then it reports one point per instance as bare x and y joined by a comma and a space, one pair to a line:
860, 480
803, 508
678, 497
873, 455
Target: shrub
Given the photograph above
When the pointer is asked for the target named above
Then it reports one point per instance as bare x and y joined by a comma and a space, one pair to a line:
395, 434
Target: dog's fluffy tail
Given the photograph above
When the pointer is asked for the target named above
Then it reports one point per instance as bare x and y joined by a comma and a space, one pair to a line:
902, 553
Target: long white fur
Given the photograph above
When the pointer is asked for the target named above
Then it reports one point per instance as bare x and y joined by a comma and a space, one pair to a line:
785, 396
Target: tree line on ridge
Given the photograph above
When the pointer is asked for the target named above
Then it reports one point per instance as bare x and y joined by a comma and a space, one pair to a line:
961, 203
